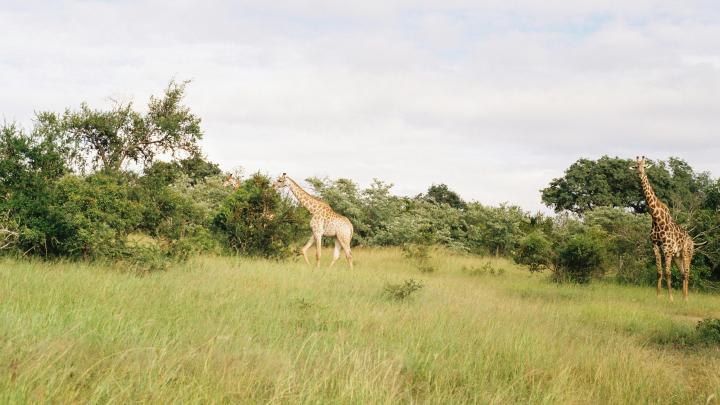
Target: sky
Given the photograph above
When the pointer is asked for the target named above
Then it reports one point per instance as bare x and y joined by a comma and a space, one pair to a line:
492, 98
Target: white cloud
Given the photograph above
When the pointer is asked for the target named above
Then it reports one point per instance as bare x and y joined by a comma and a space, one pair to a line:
494, 98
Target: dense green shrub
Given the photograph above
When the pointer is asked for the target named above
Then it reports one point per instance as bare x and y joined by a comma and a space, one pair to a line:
256, 221
535, 251
91, 216
579, 258
707, 331
626, 240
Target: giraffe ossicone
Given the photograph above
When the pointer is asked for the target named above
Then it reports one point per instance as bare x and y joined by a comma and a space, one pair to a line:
324, 222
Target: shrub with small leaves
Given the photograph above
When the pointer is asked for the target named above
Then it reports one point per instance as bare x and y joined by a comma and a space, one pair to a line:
419, 254
401, 291
708, 331
535, 251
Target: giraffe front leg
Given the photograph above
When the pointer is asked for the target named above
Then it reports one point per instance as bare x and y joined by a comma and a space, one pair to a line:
658, 264
306, 247
668, 274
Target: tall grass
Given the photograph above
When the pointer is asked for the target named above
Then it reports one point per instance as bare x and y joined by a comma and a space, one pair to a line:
225, 330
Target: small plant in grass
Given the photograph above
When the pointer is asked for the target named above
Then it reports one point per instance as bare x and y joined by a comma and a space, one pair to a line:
401, 291
143, 260
708, 331
486, 269
419, 254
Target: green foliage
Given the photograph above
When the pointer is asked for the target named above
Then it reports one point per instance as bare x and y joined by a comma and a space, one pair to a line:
110, 139
588, 184
142, 259
609, 182
494, 230
626, 242
256, 221
535, 251
579, 258
401, 291
90, 217
419, 255
441, 194
708, 331
371, 210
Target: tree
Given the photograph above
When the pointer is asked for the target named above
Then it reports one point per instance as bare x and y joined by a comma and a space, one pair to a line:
609, 182
254, 220
30, 164
109, 140
441, 194
588, 184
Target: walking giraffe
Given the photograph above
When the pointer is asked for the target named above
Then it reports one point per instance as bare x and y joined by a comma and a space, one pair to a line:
324, 222
667, 236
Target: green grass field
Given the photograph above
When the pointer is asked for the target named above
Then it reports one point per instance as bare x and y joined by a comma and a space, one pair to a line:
225, 330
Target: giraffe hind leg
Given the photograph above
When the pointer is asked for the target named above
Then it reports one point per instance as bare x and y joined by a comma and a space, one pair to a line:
345, 243
336, 252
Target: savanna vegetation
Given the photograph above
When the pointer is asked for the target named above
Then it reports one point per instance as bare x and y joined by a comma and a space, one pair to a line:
451, 301
243, 330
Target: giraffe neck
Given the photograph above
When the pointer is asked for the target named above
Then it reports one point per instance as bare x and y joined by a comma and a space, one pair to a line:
306, 200
653, 203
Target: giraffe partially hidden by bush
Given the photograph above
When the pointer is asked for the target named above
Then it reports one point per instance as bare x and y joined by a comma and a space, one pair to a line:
324, 221
666, 235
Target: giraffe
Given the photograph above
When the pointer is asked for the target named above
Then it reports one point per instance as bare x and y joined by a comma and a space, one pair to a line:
232, 181
667, 236
324, 221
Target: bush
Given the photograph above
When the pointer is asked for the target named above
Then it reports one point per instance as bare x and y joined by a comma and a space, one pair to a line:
707, 331
420, 256
579, 257
629, 251
535, 251
401, 291
256, 221
142, 259
89, 217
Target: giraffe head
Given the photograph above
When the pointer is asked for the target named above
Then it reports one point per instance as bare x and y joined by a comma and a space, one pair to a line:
231, 181
640, 164
281, 182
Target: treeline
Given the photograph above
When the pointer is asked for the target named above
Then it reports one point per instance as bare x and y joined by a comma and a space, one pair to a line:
575, 244
88, 184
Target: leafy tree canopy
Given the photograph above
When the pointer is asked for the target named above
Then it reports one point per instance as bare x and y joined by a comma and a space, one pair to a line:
441, 194
109, 140
609, 182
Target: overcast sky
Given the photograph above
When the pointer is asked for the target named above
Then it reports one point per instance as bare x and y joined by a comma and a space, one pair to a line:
493, 98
